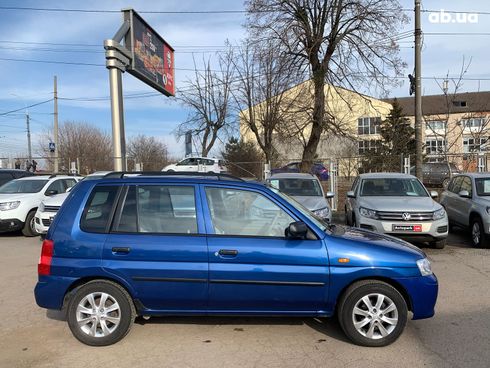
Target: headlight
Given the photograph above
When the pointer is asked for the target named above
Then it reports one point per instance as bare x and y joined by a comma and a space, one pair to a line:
41, 207
5, 206
322, 212
366, 212
424, 267
439, 214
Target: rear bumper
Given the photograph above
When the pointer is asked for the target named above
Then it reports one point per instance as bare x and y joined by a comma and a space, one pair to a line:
422, 292
50, 291
7, 225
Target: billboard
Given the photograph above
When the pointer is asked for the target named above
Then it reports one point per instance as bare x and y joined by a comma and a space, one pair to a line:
152, 58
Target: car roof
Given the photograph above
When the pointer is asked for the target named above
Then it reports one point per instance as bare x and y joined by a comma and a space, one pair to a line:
208, 158
386, 175
47, 177
15, 170
474, 175
292, 176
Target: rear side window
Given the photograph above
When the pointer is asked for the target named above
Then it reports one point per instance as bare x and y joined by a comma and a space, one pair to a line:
97, 212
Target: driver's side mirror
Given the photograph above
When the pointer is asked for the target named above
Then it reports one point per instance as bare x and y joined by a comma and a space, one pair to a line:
351, 194
464, 194
329, 195
434, 194
296, 230
51, 192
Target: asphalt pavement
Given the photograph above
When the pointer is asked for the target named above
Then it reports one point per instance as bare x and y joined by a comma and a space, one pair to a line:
458, 335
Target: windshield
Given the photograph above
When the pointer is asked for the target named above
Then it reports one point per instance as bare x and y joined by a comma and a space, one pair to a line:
316, 220
298, 187
392, 187
482, 187
23, 186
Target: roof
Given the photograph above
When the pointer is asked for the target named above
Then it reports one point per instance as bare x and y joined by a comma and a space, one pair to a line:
292, 176
475, 175
47, 177
386, 175
438, 104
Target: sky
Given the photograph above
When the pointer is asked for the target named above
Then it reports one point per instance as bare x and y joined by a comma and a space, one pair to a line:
192, 35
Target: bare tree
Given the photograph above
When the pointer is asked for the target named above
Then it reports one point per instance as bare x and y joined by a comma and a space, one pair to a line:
261, 93
349, 43
148, 151
208, 97
83, 143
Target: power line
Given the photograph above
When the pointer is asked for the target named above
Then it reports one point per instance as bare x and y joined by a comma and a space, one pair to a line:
26, 107
72, 10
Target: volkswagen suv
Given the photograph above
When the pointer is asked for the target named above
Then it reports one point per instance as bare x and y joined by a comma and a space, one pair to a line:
152, 245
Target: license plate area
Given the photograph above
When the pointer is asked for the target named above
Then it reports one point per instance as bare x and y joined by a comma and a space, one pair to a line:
407, 228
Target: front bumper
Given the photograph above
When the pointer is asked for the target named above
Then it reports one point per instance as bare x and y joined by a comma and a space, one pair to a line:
7, 225
43, 220
422, 292
429, 230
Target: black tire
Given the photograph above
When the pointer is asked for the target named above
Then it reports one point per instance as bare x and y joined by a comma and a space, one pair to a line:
439, 244
353, 296
126, 312
29, 230
346, 217
445, 183
480, 241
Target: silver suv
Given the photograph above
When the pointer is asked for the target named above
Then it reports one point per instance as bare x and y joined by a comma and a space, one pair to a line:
399, 205
467, 202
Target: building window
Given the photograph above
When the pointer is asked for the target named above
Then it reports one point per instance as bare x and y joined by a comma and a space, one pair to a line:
368, 146
460, 103
436, 125
434, 146
471, 144
473, 123
368, 125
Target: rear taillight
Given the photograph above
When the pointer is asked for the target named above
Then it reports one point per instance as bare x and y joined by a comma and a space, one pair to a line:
44, 265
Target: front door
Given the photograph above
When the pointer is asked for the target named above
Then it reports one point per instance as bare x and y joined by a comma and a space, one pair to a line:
253, 267
157, 244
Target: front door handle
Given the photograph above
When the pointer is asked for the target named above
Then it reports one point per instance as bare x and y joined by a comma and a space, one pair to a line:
228, 252
121, 250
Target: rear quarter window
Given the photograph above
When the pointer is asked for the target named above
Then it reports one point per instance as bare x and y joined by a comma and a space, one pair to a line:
99, 209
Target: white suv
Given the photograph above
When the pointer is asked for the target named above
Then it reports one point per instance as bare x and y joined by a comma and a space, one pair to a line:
197, 164
20, 198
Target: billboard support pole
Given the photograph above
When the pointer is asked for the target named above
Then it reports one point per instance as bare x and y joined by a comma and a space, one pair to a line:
117, 59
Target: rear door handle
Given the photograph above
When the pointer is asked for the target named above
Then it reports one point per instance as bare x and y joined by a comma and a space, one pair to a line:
121, 250
228, 252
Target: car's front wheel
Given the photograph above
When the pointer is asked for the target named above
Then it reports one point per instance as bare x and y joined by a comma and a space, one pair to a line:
100, 313
372, 313
29, 228
439, 244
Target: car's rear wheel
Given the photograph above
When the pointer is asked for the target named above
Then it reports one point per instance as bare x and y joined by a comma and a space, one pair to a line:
29, 228
100, 313
445, 182
372, 313
478, 237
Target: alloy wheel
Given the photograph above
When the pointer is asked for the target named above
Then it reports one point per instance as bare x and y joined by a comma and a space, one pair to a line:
375, 316
476, 233
98, 314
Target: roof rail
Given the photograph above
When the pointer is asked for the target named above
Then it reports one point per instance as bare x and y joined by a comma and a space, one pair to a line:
122, 174
54, 175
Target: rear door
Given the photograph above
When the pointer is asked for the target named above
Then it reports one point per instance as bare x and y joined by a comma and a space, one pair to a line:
157, 244
253, 267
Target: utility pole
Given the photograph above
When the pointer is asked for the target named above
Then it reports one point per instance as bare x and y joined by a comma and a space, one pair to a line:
29, 147
418, 93
55, 125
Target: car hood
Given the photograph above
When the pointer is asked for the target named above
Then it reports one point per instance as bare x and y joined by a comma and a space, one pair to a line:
365, 248
56, 200
400, 204
10, 197
312, 203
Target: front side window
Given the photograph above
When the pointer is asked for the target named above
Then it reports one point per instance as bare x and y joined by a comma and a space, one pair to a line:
23, 186
466, 185
245, 213
298, 187
455, 188
56, 187
392, 187
184, 162
98, 209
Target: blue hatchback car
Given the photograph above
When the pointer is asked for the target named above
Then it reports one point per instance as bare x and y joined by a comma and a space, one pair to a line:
154, 245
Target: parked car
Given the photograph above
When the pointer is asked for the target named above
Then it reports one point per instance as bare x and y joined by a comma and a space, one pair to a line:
467, 202
7, 175
399, 205
20, 198
436, 174
49, 207
294, 167
124, 246
197, 164
307, 190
